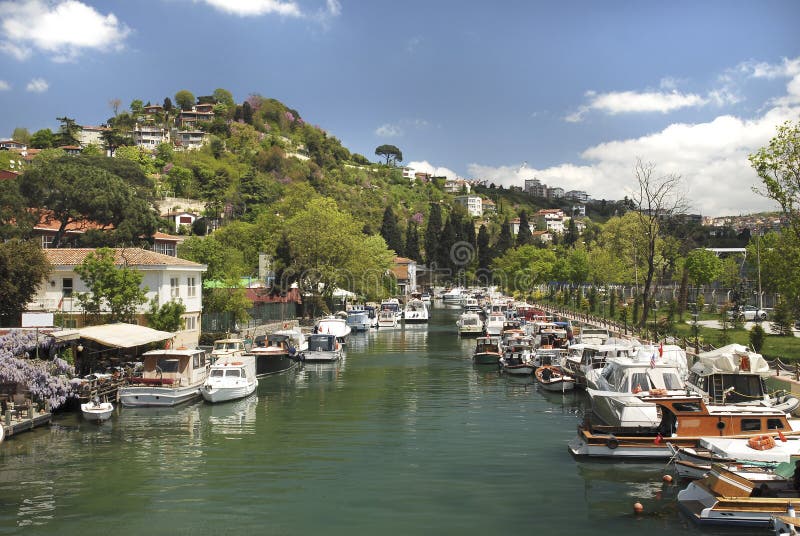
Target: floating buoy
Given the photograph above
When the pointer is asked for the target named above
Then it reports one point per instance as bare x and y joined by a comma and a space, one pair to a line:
667, 478
638, 508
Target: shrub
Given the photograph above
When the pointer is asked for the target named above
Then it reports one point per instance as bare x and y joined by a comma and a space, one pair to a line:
757, 336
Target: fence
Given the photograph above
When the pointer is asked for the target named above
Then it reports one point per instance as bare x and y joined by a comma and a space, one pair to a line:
259, 314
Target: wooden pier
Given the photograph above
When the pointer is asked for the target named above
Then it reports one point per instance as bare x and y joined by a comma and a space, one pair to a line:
14, 423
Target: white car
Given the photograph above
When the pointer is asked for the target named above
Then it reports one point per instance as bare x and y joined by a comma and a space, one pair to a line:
748, 313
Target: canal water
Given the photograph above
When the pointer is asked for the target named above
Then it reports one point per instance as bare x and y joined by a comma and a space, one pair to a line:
405, 436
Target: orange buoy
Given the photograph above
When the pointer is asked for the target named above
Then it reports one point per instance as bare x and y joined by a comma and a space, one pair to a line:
667, 478
638, 508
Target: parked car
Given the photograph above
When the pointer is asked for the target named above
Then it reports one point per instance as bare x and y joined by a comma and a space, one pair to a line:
748, 313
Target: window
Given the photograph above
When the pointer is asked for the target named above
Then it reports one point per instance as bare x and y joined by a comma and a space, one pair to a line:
686, 406
774, 424
191, 285
66, 287
671, 381
47, 242
199, 360
168, 365
189, 323
174, 288
751, 425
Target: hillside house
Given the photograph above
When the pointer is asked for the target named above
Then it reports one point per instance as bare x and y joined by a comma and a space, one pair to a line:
472, 203
552, 219
149, 137
405, 272
89, 135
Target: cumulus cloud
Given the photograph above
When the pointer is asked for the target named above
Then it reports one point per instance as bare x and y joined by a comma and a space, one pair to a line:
619, 102
388, 131
37, 85
250, 8
426, 167
711, 157
61, 29
4, 86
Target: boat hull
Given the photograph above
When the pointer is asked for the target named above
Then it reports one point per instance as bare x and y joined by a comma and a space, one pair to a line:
267, 364
98, 413
224, 394
152, 396
557, 386
486, 359
323, 356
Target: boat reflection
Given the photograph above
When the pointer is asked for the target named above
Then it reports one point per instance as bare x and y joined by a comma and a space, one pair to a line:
236, 417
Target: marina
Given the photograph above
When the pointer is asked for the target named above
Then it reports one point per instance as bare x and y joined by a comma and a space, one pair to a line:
406, 423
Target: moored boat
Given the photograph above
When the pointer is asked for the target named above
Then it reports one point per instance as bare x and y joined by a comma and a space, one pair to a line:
97, 411
487, 351
415, 312
336, 326
230, 347
276, 354
323, 348
553, 378
230, 378
169, 377
387, 319
518, 357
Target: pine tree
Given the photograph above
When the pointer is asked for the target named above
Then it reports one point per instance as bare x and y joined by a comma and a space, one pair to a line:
432, 232
391, 232
412, 242
447, 239
505, 240
484, 249
572, 233
524, 235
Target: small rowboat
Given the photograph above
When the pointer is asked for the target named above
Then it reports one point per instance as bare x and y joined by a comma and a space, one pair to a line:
97, 411
552, 378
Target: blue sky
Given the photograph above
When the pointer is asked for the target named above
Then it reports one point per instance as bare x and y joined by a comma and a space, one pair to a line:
569, 92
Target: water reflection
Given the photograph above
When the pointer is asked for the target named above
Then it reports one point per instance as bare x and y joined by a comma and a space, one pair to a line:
235, 417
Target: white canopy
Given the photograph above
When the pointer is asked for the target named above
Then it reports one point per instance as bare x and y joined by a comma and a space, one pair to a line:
730, 359
124, 335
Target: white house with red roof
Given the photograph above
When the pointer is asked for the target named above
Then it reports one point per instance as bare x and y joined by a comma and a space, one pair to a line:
405, 272
166, 278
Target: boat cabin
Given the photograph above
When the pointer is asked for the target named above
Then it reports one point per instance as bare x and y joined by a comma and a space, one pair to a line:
173, 367
637, 377
225, 347
487, 345
322, 342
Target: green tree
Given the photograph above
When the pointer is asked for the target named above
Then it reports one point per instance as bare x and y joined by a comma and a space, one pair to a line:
484, 249
391, 232
225, 97
185, 99
78, 190
42, 139
703, 266
23, 269
411, 250
391, 153
524, 235
21, 135
757, 337
432, 232
68, 133
505, 240
520, 269
114, 289
167, 317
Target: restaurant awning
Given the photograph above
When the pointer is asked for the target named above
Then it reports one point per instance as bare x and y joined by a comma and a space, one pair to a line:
123, 335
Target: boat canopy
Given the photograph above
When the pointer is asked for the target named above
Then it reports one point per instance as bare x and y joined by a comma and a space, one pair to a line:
730, 359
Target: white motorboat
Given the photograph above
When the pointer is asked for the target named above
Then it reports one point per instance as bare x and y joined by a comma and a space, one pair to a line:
495, 323
470, 325
415, 312
231, 347
230, 378
518, 357
393, 305
616, 389
323, 348
97, 411
336, 326
581, 358
169, 377
387, 319
453, 296
358, 320
734, 374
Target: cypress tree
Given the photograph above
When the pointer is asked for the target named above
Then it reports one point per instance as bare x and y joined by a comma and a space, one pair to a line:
391, 232
446, 240
484, 249
524, 235
505, 240
432, 232
572, 233
412, 242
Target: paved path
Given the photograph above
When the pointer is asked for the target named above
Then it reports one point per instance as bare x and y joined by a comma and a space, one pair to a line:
716, 324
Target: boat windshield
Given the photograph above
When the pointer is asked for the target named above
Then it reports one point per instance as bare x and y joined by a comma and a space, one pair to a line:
320, 344
217, 373
671, 381
234, 372
639, 382
168, 365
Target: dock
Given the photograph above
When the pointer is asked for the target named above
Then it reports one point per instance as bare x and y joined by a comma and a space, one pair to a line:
13, 424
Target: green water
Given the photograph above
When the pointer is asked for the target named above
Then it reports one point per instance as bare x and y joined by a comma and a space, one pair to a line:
405, 436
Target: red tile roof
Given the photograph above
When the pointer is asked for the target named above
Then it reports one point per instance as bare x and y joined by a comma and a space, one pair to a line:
266, 295
129, 256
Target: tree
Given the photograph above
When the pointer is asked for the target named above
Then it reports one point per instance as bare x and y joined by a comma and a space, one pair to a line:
78, 190
484, 248
703, 266
21, 135
185, 99
778, 166
656, 198
23, 269
167, 105
391, 232
411, 250
571, 235
524, 235
137, 107
247, 113
520, 269
114, 104
114, 288
42, 139
432, 233
505, 240
167, 317
114, 138
757, 336
223, 96
390, 152
68, 133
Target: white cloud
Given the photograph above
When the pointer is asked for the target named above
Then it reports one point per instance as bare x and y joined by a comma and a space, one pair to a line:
388, 131
4, 86
619, 102
249, 8
426, 167
711, 157
62, 29
37, 85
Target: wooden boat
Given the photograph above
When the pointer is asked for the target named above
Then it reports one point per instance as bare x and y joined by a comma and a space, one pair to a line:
276, 354
224, 348
724, 497
487, 351
230, 378
552, 378
685, 420
170, 377
97, 411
